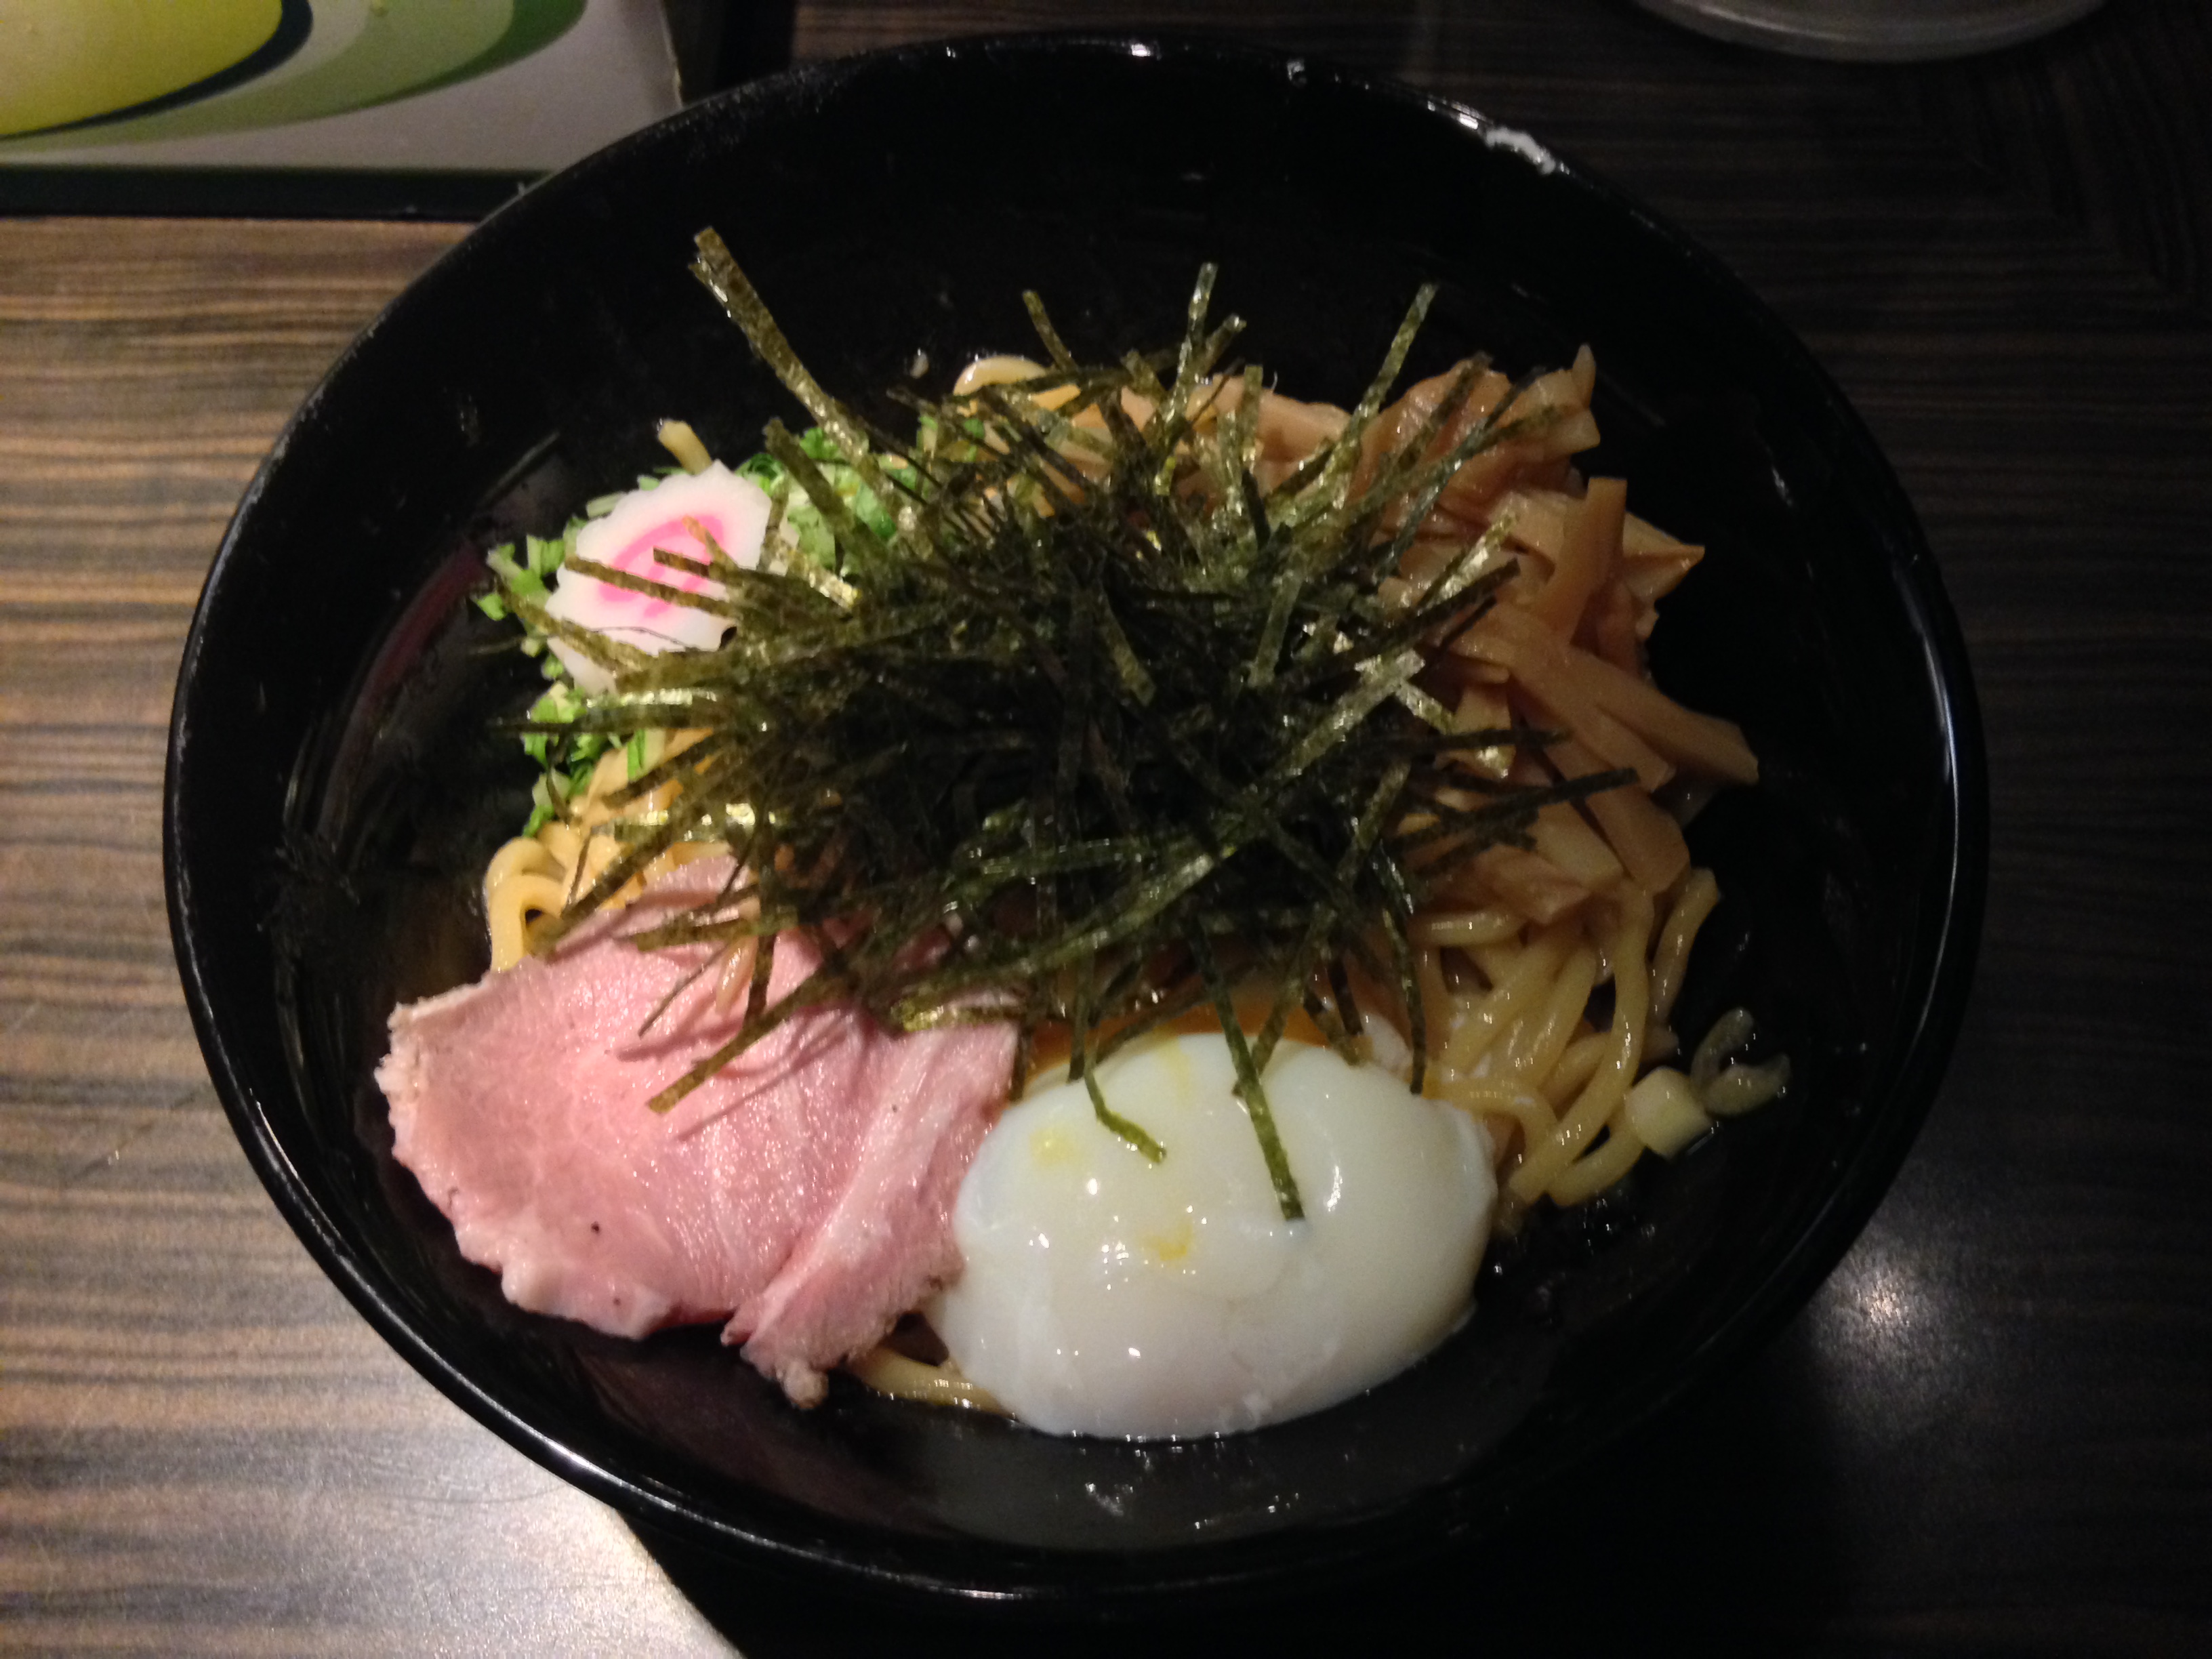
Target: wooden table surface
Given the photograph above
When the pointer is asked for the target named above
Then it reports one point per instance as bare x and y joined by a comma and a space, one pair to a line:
1992, 1430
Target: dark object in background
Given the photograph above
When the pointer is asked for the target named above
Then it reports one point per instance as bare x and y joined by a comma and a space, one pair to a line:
525, 371
722, 43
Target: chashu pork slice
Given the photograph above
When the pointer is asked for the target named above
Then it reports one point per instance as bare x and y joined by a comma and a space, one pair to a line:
806, 1189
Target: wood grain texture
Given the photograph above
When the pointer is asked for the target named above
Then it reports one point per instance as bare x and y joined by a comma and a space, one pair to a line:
203, 1450
2104, 125
1992, 1430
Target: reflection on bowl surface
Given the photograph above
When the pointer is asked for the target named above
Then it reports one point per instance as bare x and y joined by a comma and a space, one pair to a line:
334, 783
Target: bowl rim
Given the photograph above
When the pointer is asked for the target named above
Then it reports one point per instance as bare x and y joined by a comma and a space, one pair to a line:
1046, 1580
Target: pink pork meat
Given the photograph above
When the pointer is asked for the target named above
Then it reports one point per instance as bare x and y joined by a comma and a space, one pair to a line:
804, 1193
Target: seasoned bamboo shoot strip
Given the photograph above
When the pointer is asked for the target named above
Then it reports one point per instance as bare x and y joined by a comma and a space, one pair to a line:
1463, 928
1646, 840
1529, 884
1554, 670
1557, 703
1609, 628
1589, 554
1540, 523
1563, 841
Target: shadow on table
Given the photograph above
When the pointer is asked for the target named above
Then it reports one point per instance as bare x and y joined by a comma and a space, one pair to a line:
1722, 1527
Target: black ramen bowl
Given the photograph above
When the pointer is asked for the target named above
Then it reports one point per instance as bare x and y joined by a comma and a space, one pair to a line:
335, 783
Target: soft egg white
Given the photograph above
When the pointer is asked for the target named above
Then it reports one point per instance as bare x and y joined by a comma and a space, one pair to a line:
1104, 1294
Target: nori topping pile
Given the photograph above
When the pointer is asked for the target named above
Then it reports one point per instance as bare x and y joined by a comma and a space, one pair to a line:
1099, 733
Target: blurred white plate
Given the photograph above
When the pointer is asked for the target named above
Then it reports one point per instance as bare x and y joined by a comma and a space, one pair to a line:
1894, 30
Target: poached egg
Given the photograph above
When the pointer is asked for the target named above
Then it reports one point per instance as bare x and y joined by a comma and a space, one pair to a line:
1104, 1294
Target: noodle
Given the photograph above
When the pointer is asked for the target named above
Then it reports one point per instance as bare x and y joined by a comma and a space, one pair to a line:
537, 875
1537, 1047
1624, 1045
1700, 894
887, 1370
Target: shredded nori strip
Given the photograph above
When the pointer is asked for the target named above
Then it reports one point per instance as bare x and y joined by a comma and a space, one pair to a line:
1099, 733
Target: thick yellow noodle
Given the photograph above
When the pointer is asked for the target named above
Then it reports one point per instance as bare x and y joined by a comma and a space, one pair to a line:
534, 876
